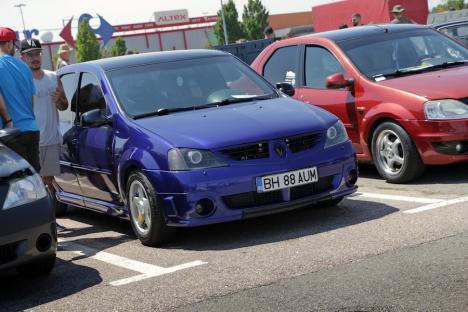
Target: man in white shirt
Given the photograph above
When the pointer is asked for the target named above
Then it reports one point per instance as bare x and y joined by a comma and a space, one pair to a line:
48, 100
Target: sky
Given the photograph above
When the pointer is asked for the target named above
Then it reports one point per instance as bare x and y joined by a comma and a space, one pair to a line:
49, 14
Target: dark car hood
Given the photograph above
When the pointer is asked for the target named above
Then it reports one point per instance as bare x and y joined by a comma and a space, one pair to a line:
10, 162
238, 123
447, 83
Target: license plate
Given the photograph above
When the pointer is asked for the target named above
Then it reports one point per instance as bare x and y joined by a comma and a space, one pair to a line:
285, 180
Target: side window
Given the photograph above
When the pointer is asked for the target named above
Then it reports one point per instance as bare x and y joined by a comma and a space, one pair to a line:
319, 64
67, 116
281, 67
90, 95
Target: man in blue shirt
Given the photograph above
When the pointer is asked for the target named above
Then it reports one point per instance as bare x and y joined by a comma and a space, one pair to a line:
16, 100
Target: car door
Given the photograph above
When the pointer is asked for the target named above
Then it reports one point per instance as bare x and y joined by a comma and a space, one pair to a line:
68, 180
95, 147
317, 64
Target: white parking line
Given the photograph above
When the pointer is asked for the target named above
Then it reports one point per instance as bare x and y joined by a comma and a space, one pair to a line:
146, 270
438, 205
410, 199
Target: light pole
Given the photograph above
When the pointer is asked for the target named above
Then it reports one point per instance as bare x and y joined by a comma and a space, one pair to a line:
20, 5
226, 40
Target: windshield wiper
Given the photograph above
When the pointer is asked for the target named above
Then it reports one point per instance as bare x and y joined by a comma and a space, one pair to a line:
415, 70
233, 100
445, 65
228, 101
162, 112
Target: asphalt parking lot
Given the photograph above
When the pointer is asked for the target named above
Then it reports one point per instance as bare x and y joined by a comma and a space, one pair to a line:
388, 248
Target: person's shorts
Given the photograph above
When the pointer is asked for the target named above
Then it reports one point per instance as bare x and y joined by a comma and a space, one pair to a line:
50, 160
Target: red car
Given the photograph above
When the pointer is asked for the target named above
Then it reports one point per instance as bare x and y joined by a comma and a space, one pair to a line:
400, 90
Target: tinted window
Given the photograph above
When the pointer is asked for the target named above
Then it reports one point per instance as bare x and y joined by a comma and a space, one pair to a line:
90, 95
185, 84
281, 67
67, 116
390, 54
319, 64
458, 31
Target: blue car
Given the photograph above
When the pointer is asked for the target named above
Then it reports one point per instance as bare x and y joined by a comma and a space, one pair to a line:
190, 138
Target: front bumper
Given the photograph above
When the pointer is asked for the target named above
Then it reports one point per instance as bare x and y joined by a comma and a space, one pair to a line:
24, 232
232, 190
436, 140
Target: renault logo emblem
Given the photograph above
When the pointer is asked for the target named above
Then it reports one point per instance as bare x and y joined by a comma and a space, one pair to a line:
280, 150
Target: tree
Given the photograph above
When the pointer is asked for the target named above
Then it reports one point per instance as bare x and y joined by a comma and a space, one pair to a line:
254, 19
234, 27
87, 45
450, 5
119, 48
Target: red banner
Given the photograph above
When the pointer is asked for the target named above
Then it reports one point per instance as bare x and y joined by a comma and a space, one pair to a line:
151, 25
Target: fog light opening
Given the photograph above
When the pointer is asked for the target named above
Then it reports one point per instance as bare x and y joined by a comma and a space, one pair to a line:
352, 177
204, 207
43, 243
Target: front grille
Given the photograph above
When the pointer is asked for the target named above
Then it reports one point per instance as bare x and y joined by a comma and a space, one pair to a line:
301, 143
464, 100
252, 199
248, 152
8, 252
322, 185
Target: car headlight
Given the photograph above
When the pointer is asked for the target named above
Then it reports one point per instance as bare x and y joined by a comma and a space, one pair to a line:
445, 110
336, 134
187, 159
24, 191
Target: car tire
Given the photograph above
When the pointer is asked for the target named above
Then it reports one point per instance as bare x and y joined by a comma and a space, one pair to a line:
147, 219
38, 267
331, 202
395, 155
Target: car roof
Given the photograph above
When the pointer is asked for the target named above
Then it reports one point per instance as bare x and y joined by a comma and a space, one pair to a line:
453, 23
148, 58
363, 31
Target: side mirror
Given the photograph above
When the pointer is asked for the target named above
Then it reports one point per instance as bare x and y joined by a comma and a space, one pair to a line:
286, 88
95, 118
8, 134
338, 81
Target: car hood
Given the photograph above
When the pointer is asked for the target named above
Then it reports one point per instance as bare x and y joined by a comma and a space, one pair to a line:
10, 162
238, 123
447, 83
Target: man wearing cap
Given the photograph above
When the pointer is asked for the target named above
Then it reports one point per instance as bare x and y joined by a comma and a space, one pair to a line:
397, 12
269, 33
64, 56
48, 100
16, 92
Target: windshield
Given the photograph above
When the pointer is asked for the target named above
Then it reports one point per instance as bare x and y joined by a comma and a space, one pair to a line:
391, 55
185, 85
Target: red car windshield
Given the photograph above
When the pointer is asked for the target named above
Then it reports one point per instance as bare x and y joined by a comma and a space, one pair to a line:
389, 55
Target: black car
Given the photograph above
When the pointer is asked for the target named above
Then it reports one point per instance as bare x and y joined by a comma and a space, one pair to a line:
28, 234
457, 30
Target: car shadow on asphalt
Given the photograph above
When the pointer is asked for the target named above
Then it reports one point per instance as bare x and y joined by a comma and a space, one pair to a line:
280, 227
262, 230
446, 174
18, 293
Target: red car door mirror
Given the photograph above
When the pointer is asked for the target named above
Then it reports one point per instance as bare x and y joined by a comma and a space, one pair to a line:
338, 81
